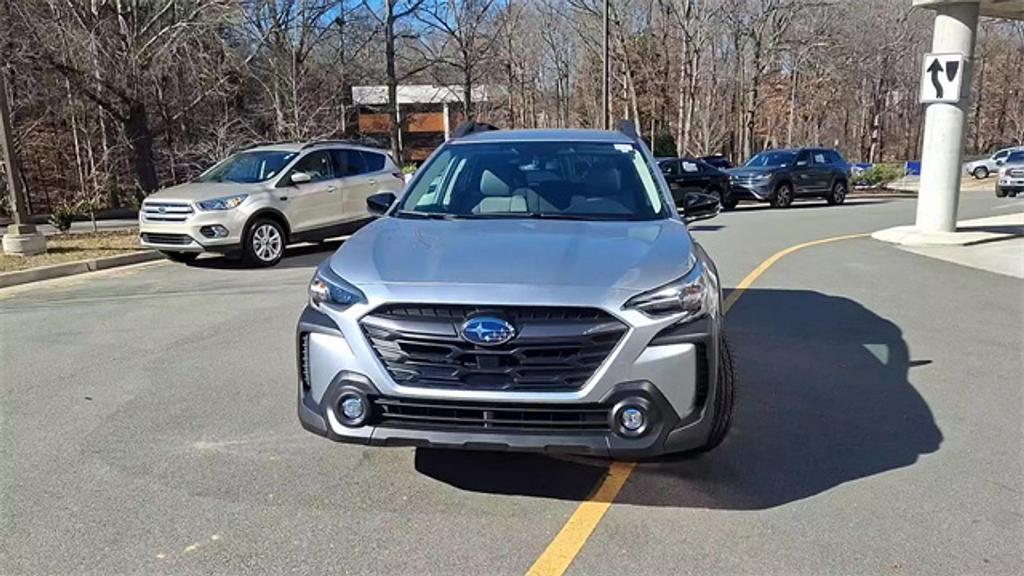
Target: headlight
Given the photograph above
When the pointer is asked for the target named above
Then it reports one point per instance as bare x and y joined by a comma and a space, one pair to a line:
764, 176
225, 203
694, 295
328, 288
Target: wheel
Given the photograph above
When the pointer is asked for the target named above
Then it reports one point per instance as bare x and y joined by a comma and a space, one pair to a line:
980, 172
838, 193
1012, 194
264, 243
783, 196
1000, 193
730, 203
183, 257
725, 395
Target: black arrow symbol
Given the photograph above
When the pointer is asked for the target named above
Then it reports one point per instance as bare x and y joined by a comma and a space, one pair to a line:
935, 68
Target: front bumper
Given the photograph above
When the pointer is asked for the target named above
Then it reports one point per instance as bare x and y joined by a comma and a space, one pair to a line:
193, 234
1011, 184
675, 379
757, 190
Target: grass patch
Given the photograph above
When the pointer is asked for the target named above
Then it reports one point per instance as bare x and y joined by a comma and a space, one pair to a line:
65, 248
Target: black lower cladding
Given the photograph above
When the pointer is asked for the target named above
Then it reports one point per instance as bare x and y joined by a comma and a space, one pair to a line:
490, 416
555, 348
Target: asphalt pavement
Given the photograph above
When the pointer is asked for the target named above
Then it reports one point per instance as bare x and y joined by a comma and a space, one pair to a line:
147, 426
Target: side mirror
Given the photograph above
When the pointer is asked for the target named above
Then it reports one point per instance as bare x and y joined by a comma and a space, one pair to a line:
999, 162
378, 204
700, 206
300, 178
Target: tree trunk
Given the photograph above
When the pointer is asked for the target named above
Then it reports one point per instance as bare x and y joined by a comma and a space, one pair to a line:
140, 140
392, 79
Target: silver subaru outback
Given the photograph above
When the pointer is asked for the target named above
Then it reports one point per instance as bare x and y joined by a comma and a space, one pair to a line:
529, 290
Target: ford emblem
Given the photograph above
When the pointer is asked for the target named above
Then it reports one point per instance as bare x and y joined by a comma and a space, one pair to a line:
487, 331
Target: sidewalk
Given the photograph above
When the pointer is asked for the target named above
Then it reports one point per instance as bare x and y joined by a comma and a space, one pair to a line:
1002, 254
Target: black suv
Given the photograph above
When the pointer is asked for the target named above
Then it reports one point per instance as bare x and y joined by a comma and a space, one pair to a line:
780, 176
685, 175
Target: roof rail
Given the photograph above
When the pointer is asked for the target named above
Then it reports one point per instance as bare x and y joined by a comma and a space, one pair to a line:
361, 141
471, 127
628, 128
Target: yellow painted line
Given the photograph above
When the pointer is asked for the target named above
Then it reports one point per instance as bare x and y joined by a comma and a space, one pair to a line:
563, 549
764, 266
566, 545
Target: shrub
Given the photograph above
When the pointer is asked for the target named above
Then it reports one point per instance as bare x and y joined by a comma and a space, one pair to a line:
63, 214
880, 175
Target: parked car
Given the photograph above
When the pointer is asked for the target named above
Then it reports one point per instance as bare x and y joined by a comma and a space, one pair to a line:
1011, 175
531, 290
781, 176
981, 169
259, 200
685, 175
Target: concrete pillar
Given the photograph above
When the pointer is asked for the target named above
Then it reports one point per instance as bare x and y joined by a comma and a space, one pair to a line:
944, 124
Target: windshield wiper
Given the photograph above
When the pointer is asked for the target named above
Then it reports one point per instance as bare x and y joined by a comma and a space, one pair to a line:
423, 215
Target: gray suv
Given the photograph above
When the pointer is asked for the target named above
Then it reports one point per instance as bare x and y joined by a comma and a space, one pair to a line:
530, 290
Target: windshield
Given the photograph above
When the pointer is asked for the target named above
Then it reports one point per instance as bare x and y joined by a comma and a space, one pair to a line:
772, 159
249, 167
563, 180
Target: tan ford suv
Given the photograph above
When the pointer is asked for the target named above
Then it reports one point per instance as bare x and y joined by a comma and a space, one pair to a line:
259, 200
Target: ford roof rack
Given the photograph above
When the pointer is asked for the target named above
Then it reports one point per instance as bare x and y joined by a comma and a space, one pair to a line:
471, 127
360, 141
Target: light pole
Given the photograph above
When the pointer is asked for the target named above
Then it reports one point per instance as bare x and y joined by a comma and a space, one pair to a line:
22, 238
605, 74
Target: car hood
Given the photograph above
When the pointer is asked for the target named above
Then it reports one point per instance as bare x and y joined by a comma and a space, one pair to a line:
196, 191
747, 172
613, 255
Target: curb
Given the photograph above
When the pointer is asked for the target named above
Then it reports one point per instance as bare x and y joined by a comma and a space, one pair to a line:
72, 268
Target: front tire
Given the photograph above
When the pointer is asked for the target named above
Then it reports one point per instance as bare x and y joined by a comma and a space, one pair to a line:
264, 243
783, 196
1000, 193
181, 257
838, 194
980, 172
725, 396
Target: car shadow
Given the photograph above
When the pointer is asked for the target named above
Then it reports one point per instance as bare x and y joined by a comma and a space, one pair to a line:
800, 204
823, 398
304, 255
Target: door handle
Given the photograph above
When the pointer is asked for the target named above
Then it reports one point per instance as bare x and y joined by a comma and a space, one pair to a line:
373, 180
331, 189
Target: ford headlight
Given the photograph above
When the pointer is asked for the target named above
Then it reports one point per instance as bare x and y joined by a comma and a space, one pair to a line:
225, 203
694, 296
328, 288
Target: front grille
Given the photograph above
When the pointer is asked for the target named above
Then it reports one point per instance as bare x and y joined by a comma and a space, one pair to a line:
489, 416
167, 239
1015, 172
153, 211
555, 349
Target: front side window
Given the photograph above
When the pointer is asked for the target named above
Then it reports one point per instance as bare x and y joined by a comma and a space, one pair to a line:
317, 164
1001, 154
249, 167
765, 159
567, 180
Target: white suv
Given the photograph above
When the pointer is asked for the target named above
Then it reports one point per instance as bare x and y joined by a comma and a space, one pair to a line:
257, 201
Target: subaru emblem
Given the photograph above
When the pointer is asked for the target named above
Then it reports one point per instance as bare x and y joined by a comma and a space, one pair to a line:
162, 210
487, 331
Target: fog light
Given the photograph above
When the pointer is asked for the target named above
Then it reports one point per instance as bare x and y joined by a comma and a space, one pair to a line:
215, 231
353, 408
633, 419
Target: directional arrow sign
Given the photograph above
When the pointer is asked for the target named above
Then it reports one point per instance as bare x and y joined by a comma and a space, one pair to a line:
942, 78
